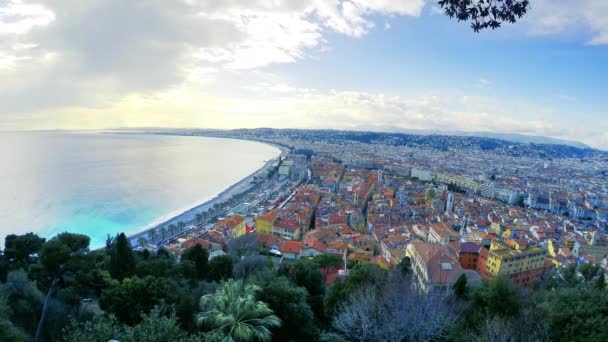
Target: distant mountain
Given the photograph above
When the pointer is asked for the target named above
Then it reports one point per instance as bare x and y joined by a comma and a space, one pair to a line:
513, 137
442, 142
525, 139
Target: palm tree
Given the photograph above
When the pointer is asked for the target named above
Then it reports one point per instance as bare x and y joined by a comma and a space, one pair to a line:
181, 225
171, 230
142, 241
234, 313
199, 217
152, 234
163, 232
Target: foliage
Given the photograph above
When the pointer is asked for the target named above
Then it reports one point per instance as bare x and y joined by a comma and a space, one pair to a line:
235, 313
246, 245
485, 14
394, 312
160, 325
220, 267
498, 297
249, 266
19, 247
136, 296
460, 287
122, 261
290, 305
199, 256
24, 299
361, 275
576, 314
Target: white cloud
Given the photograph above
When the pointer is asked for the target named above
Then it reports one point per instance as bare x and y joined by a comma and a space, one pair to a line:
568, 17
17, 17
103, 50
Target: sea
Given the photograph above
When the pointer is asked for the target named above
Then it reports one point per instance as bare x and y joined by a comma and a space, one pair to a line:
106, 183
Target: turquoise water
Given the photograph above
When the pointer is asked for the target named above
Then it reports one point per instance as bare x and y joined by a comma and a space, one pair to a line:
99, 184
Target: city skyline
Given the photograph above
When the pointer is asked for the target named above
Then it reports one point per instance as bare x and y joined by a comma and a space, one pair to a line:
364, 65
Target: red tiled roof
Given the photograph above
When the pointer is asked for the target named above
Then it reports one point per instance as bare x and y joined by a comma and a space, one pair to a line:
291, 247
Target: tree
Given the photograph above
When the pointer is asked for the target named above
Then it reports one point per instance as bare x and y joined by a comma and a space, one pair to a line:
289, 303
600, 283
122, 261
20, 247
235, 313
136, 296
328, 262
181, 226
199, 256
159, 325
393, 312
142, 241
220, 267
199, 217
485, 14
460, 287
249, 266
576, 314
246, 245
163, 233
24, 299
153, 235
498, 297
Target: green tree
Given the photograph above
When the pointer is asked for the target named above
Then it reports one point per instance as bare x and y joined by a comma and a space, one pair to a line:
199, 256
163, 233
289, 303
8, 331
122, 261
136, 296
460, 287
220, 267
576, 314
24, 299
600, 283
160, 325
498, 297
19, 247
142, 241
235, 313
153, 235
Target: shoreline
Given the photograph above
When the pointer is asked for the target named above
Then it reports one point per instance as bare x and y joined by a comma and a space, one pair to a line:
189, 215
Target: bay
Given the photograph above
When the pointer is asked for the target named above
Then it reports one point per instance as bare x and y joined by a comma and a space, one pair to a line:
101, 183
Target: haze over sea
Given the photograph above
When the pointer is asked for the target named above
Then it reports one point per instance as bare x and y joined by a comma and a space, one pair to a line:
98, 184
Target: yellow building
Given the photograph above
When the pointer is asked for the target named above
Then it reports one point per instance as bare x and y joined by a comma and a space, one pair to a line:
265, 222
235, 225
516, 260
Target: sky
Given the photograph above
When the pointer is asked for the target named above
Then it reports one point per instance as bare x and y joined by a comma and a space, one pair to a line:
384, 65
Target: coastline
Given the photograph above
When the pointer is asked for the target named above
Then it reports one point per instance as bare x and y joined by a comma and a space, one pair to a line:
189, 215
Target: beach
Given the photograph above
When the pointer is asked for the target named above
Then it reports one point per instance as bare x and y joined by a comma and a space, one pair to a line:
189, 216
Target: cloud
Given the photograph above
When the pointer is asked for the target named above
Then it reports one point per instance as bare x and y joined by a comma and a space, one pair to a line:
17, 17
568, 17
91, 53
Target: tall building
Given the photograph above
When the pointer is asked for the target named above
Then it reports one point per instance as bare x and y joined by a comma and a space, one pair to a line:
449, 207
515, 259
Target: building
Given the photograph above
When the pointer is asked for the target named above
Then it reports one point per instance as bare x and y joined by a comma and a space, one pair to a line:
235, 225
516, 260
264, 223
435, 266
290, 250
469, 253
440, 233
286, 228
449, 207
